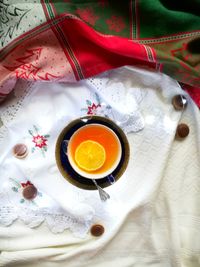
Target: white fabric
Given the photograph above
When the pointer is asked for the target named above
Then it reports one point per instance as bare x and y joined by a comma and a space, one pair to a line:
153, 218
46, 109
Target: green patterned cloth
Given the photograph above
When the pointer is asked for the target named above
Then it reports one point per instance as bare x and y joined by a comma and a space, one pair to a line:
169, 31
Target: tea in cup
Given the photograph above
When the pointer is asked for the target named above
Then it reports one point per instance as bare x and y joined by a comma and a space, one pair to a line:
94, 151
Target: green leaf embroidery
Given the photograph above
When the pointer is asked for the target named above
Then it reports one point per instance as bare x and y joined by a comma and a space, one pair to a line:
43, 152
22, 200
39, 194
88, 102
33, 202
98, 98
108, 107
36, 128
30, 132
15, 182
46, 135
45, 148
33, 149
15, 189
84, 109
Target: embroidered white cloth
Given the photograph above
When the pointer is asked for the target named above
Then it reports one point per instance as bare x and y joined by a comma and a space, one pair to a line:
35, 117
153, 216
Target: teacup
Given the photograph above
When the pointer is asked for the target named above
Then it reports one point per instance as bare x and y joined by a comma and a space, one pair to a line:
104, 136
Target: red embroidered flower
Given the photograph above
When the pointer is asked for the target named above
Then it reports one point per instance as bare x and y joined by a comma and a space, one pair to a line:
115, 23
92, 110
87, 15
26, 184
39, 141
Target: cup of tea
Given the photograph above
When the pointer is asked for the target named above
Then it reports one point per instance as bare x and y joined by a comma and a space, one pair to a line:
90, 148
94, 151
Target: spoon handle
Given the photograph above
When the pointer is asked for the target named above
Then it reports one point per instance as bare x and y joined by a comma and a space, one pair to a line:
103, 194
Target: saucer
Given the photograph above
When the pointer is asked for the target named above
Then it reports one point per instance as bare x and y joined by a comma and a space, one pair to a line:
63, 163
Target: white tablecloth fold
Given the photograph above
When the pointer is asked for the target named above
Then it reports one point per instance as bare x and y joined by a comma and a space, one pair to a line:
153, 216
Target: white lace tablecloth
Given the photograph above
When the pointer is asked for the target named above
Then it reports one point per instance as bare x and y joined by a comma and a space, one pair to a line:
36, 117
152, 218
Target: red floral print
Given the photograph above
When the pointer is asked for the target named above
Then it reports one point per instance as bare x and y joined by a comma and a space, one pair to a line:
26, 184
115, 23
87, 15
92, 110
39, 141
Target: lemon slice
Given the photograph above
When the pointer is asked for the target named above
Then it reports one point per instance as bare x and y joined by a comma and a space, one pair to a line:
90, 155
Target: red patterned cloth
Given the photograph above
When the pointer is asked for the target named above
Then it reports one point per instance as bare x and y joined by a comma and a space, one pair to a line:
71, 40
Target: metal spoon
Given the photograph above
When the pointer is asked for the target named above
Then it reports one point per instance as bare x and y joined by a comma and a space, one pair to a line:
103, 194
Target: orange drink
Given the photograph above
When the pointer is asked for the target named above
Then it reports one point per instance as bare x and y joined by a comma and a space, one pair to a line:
94, 151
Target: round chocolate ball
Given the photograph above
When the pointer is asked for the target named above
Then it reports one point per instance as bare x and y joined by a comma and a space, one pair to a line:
182, 130
97, 230
30, 192
20, 151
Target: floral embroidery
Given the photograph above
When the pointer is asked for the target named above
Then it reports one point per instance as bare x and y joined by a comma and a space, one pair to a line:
97, 108
18, 188
87, 15
115, 23
40, 141
93, 109
26, 184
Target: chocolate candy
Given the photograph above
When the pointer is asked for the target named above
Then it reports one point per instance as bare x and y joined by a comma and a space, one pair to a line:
182, 130
29, 192
179, 102
20, 151
97, 230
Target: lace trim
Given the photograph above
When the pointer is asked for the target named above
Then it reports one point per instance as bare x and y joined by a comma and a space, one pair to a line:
56, 221
43, 208
125, 109
9, 112
22, 90
3, 131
